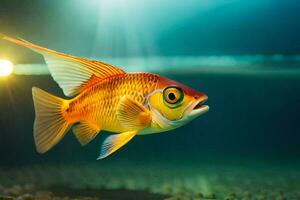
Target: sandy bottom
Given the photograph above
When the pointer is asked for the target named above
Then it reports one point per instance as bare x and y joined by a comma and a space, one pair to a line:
149, 181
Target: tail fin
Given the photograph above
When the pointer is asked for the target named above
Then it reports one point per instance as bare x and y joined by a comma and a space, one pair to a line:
50, 126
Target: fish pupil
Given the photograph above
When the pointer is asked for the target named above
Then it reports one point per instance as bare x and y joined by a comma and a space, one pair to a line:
172, 96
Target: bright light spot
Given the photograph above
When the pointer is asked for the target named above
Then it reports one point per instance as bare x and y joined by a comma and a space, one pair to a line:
6, 68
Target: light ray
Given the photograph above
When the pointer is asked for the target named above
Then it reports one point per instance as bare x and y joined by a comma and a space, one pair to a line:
6, 68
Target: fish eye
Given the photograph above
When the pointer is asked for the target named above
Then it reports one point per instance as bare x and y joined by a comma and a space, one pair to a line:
173, 96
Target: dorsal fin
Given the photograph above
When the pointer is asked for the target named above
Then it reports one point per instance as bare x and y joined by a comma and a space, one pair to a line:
73, 74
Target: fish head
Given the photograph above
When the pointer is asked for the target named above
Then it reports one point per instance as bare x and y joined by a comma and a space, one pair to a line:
174, 104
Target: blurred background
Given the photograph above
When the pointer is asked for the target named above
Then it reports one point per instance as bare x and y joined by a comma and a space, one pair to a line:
245, 55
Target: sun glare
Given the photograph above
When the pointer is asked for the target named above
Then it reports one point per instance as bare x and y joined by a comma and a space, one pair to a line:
6, 68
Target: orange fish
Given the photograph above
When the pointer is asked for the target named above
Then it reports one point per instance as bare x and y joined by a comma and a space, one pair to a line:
104, 97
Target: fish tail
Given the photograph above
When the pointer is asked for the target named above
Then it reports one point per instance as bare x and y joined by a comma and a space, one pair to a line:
50, 125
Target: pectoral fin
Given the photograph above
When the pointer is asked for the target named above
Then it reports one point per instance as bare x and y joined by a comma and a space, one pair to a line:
133, 115
86, 132
114, 142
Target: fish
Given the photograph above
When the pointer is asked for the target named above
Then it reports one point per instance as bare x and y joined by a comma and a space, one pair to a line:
100, 96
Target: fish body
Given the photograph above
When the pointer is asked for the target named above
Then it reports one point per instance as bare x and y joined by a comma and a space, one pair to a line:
104, 97
101, 100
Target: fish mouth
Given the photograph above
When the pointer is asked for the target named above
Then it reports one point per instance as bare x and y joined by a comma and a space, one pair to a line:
198, 107
200, 104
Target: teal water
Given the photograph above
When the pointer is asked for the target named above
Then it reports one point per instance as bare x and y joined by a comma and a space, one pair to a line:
243, 54
247, 144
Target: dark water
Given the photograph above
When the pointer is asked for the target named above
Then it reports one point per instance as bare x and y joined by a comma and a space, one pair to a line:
252, 128
246, 147
249, 115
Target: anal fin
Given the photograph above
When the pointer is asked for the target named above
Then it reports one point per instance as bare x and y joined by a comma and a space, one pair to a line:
86, 132
115, 142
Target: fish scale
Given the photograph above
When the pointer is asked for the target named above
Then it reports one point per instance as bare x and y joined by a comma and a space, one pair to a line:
99, 103
109, 99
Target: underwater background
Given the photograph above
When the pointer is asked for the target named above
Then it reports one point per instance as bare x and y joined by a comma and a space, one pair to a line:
245, 55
